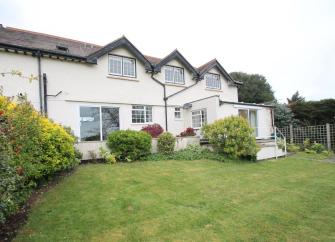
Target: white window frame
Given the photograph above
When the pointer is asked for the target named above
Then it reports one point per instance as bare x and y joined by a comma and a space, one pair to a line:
203, 112
100, 124
211, 81
178, 111
122, 66
174, 76
248, 113
145, 112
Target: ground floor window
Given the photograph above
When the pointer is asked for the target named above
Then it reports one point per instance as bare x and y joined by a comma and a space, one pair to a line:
199, 118
251, 116
97, 122
141, 114
177, 113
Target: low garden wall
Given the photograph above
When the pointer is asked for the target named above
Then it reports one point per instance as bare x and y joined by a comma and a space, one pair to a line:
93, 146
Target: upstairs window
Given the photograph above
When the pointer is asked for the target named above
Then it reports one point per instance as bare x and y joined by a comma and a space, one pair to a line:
141, 114
174, 75
213, 81
199, 118
122, 66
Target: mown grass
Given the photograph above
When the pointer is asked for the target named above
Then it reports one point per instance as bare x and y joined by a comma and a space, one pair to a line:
286, 199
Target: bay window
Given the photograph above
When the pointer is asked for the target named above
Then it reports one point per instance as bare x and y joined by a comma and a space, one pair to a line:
141, 114
122, 66
199, 118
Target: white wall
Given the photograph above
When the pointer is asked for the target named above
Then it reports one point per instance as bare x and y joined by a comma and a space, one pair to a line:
13, 85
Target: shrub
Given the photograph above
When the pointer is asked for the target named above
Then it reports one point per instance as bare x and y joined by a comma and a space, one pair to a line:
153, 129
292, 148
318, 148
306, 144
232, 136
191, 152
12, 189
188, 132
165, 143
107, 156
129, 145
31, 145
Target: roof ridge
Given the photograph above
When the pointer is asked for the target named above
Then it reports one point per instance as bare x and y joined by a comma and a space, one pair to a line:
50, 35
207, 63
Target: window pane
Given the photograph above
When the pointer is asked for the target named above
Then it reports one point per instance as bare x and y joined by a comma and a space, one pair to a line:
148, 115
203, 117
213, 81
110, 121
243, 113
89, 123
177, 113
178, 75
138, 114
115, 65
128, 67
168, 73
253, 121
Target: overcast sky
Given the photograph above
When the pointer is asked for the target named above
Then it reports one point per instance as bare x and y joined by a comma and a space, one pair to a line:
291, 43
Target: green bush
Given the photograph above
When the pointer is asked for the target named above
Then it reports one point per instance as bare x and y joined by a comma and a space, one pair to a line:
107, 156
129, 145
191, 152
165, 143
306, 145
233, 137
318, 148
31, 145
292, 148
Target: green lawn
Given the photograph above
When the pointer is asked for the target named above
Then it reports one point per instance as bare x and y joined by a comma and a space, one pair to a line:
286, 199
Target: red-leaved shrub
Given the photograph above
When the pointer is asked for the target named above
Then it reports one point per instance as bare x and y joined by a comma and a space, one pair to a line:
153, 129
188, 132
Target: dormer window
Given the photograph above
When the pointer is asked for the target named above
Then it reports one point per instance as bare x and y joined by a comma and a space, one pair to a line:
62, 48
174, 75
122, 66
213, 81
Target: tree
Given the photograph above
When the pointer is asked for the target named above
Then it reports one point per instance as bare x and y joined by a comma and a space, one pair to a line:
314, 112
296, 98
255, 88
283, 115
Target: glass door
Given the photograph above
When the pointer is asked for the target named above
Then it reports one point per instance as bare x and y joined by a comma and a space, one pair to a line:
251, 116
110, 120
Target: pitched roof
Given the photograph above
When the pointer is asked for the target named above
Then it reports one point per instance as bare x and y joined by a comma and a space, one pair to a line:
152, 59
203, 69
176, 55
30, 39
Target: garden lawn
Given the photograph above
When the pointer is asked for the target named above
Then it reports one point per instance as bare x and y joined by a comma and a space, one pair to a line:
285, 199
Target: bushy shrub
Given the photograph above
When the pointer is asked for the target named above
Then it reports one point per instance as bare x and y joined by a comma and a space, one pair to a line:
34, 146
165, 143
107, 156
187, 132
306, 144
12, 189
191, 152
232, 136
318, 148
153, 129
129, 145
292, 148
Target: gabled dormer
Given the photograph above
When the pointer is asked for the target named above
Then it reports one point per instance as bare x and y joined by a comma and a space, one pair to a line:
174, 74
213, 80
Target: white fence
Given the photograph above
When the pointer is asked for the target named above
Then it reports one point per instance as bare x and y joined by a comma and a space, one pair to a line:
323, 134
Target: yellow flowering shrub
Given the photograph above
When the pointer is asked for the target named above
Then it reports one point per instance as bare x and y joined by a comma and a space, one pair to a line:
32, 146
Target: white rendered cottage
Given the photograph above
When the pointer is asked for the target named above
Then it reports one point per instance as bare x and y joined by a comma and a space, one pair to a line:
97, 89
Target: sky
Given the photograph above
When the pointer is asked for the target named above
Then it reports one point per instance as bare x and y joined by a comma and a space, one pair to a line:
290, 42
